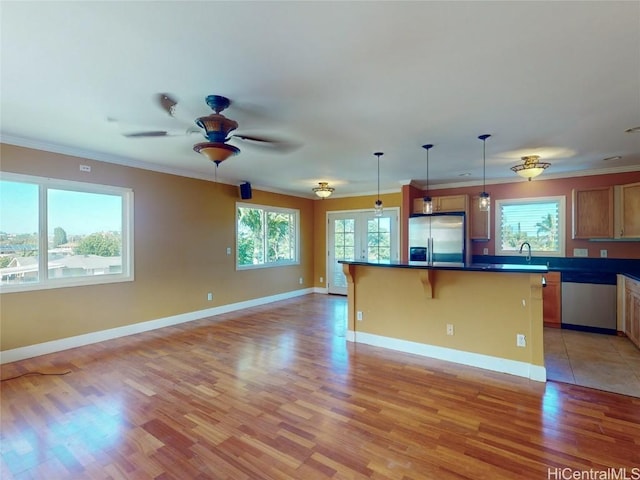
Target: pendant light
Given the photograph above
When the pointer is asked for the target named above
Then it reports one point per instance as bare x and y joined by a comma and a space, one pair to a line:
485, 198
427, 204
378, 205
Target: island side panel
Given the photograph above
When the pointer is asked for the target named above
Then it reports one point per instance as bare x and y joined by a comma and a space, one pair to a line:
349, 273
487, 310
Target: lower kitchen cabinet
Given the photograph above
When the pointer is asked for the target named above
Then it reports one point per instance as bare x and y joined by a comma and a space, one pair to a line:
552, 301
632, 310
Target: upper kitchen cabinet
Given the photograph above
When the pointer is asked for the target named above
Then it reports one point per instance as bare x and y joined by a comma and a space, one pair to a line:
450, 203
447, 203
593, 212
479, 224
607, 212
628, 211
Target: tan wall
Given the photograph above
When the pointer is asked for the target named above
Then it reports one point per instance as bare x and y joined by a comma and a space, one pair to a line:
486, 309
321, 207
182, 229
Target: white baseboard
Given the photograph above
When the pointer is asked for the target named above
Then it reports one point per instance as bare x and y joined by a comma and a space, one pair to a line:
324, 290
496, 364
30, 351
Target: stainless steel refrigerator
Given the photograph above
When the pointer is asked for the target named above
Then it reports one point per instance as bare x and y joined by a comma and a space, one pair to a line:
437, 239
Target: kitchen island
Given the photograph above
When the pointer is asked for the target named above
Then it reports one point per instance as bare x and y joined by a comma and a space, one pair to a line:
469, 314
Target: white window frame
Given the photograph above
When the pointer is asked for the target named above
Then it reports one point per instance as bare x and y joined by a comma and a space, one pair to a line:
44, 282
267, 209
562, 224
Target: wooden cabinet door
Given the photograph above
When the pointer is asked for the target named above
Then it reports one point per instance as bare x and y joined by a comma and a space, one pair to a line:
632, 311
630, 210
418, 205
552, 301
450, 203
593, 212
479, 223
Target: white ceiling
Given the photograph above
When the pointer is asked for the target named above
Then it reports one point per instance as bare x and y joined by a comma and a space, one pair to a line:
343, 79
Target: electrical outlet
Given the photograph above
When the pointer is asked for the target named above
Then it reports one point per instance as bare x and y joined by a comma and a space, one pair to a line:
359, 316
603, 254
321, 279
209, 296
228, 250
449, 329
85, 168
485, 251
521, 340
300, 281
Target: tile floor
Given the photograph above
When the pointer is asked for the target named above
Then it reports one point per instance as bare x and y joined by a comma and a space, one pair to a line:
605, 362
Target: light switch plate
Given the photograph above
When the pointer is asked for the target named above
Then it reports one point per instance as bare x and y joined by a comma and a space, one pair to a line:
580, 252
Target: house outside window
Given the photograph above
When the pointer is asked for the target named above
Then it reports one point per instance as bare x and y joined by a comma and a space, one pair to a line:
57, 233
538, 221
266, 236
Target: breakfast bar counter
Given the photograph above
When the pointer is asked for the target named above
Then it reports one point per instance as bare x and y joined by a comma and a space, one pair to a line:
484, 315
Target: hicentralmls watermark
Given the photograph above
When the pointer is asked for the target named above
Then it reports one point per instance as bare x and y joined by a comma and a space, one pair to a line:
592, 474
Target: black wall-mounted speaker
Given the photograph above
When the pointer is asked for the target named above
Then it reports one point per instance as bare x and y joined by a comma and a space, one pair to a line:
245, 191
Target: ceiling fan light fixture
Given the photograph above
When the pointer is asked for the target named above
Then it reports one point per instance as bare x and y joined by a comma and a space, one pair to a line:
216, 127
530, 167
217, 152
324, 190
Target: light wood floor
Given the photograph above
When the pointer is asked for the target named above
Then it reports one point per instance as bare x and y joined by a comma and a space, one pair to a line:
275, 392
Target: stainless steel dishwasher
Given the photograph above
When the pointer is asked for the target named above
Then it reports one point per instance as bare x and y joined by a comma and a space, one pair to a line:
589, 301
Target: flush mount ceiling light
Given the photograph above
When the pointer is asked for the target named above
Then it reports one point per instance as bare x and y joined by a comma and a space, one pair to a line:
377, 207
531, 167
485, 198
427, 203
324, 190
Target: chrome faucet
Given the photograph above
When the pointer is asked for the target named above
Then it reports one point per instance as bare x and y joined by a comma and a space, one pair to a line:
528, 250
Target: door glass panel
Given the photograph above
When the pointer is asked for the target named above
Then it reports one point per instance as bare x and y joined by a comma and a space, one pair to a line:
379, 239
344, 247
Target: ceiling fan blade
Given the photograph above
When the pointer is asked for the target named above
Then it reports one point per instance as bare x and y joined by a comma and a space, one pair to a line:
167, 103
163, 133
268, 143
156, 133
176, 110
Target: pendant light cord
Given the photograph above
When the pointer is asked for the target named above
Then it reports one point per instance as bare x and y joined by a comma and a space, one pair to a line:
484, 164
484, 160
427, 147
378, 176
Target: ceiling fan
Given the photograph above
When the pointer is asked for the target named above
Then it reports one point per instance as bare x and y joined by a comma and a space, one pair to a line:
216, 128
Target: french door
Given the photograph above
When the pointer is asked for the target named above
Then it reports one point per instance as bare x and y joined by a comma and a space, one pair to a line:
361, 236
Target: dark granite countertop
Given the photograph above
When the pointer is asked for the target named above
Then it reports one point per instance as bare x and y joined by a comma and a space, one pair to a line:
473, 267
604, 266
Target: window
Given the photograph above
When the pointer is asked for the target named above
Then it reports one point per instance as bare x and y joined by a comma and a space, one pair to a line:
56, 233
539, 221
266, 236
